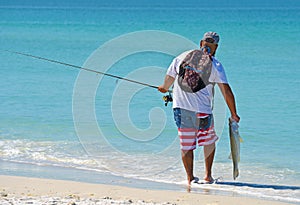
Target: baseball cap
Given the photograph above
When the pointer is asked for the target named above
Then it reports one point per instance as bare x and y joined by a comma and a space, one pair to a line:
211, 37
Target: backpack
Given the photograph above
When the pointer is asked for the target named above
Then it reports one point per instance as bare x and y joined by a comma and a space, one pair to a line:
194, 71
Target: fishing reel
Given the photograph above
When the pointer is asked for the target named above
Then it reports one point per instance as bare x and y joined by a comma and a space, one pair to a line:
167, 98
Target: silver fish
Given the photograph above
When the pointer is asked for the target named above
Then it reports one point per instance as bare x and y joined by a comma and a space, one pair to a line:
235, 140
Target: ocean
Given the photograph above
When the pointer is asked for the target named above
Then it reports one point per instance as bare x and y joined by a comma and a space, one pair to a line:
56, 117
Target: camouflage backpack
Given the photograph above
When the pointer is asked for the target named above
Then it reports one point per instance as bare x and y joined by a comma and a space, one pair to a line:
194, 71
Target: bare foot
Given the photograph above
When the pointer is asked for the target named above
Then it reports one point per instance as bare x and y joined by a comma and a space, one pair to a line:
194, 180
208, 180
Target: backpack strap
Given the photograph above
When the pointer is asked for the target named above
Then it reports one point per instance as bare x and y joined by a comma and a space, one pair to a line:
213, 96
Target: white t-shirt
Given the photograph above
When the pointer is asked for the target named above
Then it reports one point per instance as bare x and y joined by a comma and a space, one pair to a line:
200, 101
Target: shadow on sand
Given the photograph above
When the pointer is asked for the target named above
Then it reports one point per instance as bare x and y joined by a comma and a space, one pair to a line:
263, 186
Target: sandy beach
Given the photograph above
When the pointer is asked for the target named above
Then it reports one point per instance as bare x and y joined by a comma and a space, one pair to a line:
25, 190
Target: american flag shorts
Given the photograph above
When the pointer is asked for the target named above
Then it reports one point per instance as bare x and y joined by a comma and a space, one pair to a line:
194, 128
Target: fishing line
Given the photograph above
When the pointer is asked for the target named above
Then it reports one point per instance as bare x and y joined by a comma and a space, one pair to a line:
82, 68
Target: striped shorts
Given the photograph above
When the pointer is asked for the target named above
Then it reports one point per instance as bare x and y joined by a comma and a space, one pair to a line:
194, 127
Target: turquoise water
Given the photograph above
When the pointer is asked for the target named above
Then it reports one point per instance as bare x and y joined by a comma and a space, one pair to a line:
259, 49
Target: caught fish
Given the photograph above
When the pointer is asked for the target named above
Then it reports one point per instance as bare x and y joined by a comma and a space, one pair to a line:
235, 140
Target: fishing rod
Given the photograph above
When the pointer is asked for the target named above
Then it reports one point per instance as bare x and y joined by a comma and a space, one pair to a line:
167, 98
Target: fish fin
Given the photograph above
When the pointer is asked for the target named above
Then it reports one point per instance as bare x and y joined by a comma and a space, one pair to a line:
230, 156
241, 140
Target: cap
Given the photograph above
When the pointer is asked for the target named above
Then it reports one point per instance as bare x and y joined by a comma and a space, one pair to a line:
211, 37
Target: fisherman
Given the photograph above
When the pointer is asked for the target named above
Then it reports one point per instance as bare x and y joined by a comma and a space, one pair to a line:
193, 110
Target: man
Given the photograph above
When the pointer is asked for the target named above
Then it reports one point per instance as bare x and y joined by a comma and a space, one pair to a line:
193, 110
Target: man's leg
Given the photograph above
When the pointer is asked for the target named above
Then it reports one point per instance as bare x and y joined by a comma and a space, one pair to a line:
209, 154
188, 162
188, 139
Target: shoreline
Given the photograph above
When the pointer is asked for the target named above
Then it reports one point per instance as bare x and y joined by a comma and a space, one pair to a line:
53, 191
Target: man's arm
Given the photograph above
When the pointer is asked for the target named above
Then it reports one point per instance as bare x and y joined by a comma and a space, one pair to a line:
169, 80
230, 100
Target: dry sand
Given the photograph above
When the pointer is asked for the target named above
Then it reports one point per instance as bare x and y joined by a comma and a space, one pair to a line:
24, 190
